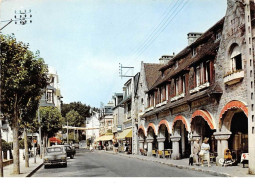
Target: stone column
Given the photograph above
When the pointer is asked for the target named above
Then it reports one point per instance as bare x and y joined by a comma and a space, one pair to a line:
8, 154
149, 146
175, 145
141, 144
161, 143
222, 143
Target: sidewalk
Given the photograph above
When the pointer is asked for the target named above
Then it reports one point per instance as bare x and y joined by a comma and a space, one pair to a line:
228, 171
24, 171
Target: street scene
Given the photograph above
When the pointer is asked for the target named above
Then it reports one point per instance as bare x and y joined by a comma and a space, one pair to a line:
127, 88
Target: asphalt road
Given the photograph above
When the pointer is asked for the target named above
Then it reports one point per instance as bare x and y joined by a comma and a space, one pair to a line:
101, 164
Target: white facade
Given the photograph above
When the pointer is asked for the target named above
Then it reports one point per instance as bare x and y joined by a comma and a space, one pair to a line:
92, 126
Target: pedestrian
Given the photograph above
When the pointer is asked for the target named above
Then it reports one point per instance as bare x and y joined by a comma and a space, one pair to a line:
196, 149
117, 147
205, 150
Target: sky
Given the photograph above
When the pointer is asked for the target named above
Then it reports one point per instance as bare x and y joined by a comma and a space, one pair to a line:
85, 40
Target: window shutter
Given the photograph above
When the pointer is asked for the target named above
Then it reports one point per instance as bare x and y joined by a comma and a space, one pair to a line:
186, 83
172, 88
192, 79
211, 72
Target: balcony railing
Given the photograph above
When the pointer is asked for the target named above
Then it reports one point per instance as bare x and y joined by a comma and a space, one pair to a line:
234, 77
149, 109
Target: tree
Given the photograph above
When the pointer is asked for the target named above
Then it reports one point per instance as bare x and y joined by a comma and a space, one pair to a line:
51, 121
82, 109
74, 118
23, 77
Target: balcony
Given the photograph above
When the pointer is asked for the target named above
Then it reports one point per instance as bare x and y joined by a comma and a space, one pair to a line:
234, 77
177, 97
161, 104
199, 88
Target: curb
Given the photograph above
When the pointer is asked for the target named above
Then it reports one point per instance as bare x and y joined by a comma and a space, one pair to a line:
215, 173
36, 169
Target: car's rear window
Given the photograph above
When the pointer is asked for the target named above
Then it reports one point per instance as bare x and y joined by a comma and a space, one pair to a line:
55, 149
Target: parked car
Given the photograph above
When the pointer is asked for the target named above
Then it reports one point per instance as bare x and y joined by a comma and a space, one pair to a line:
70, 151
55, 155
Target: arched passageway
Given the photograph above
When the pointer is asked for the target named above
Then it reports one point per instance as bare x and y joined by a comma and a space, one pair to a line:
180, 143
152, 143
141, 139
164, 141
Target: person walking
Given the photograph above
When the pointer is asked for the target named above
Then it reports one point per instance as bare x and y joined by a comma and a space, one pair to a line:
205, 149
196, 149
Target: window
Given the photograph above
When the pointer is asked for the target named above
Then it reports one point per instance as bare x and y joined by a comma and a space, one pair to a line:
235, 59
218, 36
49, 97
194, 51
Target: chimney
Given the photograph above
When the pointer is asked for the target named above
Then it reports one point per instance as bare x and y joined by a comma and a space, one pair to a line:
165, 59
193, 36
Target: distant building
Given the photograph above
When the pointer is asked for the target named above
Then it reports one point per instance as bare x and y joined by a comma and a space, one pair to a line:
92, 127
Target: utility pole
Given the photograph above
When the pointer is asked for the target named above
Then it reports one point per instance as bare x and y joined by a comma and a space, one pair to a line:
40, 134
1, 157
67, 133
21, 17
129, 68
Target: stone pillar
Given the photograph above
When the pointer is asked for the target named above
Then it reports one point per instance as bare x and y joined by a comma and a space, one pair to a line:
8, 155
222, 141
141, 144
149, 145
175, 146
161, 143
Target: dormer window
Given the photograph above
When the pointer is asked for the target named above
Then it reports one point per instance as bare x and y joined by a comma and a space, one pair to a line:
218, 36
194, 51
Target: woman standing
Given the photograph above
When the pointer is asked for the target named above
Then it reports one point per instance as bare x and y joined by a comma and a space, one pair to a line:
196, 149
205, 149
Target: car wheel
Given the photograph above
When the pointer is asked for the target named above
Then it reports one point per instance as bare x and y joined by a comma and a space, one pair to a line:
65, 165
46, 166
71, 156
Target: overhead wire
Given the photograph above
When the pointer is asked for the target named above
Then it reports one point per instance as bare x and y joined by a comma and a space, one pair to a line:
162, 29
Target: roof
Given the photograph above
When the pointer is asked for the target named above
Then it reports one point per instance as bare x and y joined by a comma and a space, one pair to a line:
151, 73
208, 50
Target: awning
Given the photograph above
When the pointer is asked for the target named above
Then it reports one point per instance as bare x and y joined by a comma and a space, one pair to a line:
125, 133
104, 138
55, 140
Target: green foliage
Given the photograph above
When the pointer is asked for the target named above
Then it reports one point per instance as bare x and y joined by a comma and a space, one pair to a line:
82, 109
74, 118
6, 146
22, 145
51, 120
23, 76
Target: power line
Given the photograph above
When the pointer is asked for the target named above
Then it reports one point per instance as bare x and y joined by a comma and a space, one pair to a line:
157, 27
157, 35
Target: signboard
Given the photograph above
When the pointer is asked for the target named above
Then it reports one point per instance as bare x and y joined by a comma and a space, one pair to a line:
119, 128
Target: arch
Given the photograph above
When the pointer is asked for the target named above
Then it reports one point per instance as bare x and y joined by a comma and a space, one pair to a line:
164, 122
206, 116
142, 128
183, 119
152, 126
234, 104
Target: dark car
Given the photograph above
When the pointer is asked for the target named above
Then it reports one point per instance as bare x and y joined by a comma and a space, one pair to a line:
70, 152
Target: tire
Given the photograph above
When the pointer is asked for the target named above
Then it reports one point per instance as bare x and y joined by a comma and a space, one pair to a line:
71, 156
65, 165
46, 166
